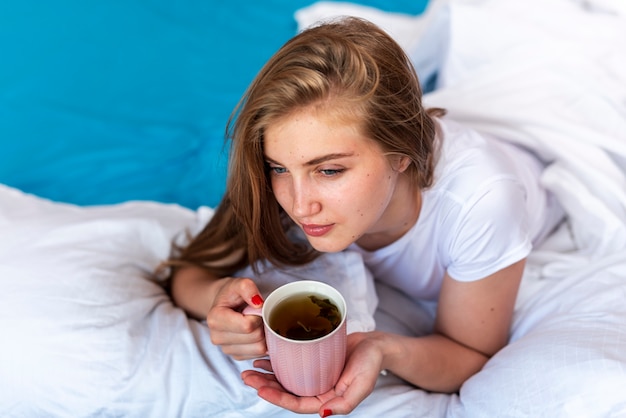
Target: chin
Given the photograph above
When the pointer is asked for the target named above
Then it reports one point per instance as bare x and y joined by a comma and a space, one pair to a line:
324, 246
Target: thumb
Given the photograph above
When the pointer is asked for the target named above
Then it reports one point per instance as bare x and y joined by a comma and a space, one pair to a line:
349, 396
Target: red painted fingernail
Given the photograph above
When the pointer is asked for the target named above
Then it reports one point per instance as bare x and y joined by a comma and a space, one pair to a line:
257, 300
326, 413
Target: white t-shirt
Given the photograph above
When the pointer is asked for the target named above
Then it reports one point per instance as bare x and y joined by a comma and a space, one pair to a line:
484, 211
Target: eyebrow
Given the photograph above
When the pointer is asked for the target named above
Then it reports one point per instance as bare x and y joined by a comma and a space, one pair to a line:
319, 160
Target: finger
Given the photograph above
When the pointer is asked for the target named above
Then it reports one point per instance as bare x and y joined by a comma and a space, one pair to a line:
240, 337
350, 395
240, 346
257, 380
236, 292
244, 351
226, 319
260, 379
263, 364
219, 337
249, 292
286, 400
268, 388
340, 405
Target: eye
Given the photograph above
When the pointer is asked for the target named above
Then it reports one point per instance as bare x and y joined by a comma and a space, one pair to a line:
276, 169
331, 171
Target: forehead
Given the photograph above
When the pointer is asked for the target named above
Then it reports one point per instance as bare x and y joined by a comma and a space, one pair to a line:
315, 130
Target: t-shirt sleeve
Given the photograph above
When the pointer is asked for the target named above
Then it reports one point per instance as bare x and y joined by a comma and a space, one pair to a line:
491, 231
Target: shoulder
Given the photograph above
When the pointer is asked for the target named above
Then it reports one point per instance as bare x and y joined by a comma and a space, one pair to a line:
479, 202
469, 161
474, 179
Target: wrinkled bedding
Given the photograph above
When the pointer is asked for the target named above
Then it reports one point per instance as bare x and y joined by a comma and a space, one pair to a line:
88, 331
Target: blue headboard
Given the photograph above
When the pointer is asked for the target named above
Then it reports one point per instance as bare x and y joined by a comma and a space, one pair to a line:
107, 101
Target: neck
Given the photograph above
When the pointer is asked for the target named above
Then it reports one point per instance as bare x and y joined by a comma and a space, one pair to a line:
399, 217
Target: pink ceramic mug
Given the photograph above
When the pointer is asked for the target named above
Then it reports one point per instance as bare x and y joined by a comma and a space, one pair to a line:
305, 367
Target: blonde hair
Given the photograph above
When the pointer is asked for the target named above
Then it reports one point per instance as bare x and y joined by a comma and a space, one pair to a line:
348, 65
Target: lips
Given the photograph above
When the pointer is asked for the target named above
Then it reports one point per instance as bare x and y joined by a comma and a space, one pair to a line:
316, 230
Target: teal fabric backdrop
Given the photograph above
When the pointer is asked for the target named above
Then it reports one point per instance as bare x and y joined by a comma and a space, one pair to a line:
105, 101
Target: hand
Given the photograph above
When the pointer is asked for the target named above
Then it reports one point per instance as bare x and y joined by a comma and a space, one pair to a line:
363, 365
239, 336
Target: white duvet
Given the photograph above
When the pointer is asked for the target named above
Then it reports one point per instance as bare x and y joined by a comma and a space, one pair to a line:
87, 331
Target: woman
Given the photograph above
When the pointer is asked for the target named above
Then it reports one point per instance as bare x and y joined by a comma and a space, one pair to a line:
331, 138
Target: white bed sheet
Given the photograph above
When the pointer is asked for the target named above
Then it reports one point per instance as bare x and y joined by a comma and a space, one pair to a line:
88, 332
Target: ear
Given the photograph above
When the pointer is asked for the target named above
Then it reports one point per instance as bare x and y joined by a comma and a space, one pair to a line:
400, 163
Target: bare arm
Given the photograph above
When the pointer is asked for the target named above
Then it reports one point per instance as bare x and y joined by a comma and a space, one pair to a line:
473, 322
194, 290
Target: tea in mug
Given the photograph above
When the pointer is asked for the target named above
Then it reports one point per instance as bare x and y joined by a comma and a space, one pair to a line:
305, 317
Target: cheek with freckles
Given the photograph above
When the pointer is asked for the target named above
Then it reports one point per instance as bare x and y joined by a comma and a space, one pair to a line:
281, 194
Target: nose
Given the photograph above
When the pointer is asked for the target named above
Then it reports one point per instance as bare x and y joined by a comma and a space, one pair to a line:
305, 202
